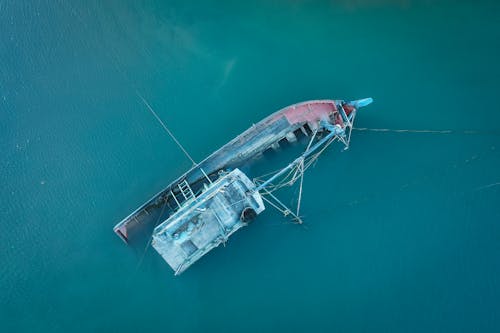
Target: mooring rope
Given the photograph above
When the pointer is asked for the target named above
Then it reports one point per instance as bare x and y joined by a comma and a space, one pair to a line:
487, 186
366, 129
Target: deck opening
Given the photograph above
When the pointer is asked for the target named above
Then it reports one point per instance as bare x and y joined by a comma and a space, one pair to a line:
299, 134
284, 143
307, 128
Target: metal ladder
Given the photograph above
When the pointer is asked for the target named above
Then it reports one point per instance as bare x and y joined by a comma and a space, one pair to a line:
186, 190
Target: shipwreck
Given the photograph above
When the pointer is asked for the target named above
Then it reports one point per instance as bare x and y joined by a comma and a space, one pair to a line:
203, 207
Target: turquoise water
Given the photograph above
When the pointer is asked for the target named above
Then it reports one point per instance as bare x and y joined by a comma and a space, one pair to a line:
402, 231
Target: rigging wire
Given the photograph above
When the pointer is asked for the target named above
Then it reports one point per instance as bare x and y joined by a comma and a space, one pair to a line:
114, 59
165, 126
295, 173
301, 165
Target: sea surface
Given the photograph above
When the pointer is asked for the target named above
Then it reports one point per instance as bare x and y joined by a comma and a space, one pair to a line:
401, 233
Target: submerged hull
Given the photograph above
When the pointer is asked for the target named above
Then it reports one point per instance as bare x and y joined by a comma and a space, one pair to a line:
281, 125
